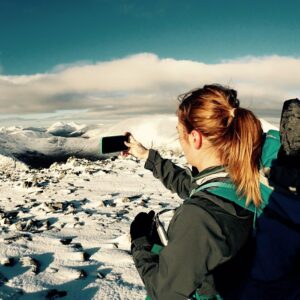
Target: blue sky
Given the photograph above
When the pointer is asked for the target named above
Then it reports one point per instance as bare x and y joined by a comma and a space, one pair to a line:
37, 35
97, 59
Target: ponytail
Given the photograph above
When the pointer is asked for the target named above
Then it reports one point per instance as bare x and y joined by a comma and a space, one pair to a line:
241, 154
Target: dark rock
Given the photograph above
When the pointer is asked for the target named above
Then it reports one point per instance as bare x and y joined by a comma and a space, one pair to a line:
83, 274
109, 203
28, 184
122, 212
86, 256
57, 206
54, 294
66, 241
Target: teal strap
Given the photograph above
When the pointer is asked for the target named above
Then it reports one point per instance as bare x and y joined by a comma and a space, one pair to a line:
156, 249
227, 191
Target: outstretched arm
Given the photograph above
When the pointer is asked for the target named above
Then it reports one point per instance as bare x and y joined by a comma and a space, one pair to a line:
172, 176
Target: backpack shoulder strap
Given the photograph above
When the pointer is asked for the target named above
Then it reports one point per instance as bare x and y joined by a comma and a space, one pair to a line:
225, 190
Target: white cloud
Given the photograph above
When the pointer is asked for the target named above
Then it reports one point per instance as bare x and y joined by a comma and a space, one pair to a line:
145, 82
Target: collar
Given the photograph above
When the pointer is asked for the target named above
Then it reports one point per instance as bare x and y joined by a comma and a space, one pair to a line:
209, 174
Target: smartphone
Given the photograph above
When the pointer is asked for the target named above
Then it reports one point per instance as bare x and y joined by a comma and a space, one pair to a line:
111, 144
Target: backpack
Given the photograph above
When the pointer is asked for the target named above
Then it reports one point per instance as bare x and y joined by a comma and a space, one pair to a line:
275, 268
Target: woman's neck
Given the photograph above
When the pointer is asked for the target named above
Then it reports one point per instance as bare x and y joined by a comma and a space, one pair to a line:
207, 160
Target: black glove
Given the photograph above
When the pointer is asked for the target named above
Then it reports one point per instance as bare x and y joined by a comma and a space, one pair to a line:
142, 225
153, 236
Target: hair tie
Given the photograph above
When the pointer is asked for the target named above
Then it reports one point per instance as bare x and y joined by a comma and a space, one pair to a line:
232, 112
234, 101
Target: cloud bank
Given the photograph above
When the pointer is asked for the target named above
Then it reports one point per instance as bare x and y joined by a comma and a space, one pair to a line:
145, 83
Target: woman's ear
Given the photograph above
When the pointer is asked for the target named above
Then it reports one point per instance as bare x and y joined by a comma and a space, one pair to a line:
196, 138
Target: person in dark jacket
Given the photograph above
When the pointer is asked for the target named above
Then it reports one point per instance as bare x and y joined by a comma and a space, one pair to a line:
222, 141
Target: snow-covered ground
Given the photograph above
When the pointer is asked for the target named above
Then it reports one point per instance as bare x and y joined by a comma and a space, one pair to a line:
64, 229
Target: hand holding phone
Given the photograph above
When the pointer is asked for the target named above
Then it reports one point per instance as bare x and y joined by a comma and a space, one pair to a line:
136, 149
113, 144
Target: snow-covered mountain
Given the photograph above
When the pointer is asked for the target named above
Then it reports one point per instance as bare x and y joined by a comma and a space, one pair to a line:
40, 147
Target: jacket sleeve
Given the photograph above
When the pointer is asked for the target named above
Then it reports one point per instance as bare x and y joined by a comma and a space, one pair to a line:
173, 177
196, 246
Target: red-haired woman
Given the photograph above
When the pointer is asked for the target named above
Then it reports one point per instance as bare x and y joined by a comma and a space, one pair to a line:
223, 142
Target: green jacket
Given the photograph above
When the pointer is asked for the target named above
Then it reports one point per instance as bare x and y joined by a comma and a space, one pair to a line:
205, 232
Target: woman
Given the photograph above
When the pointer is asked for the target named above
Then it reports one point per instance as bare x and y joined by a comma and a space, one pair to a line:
222, 141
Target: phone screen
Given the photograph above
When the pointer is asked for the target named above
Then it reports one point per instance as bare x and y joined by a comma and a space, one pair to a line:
111, 144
